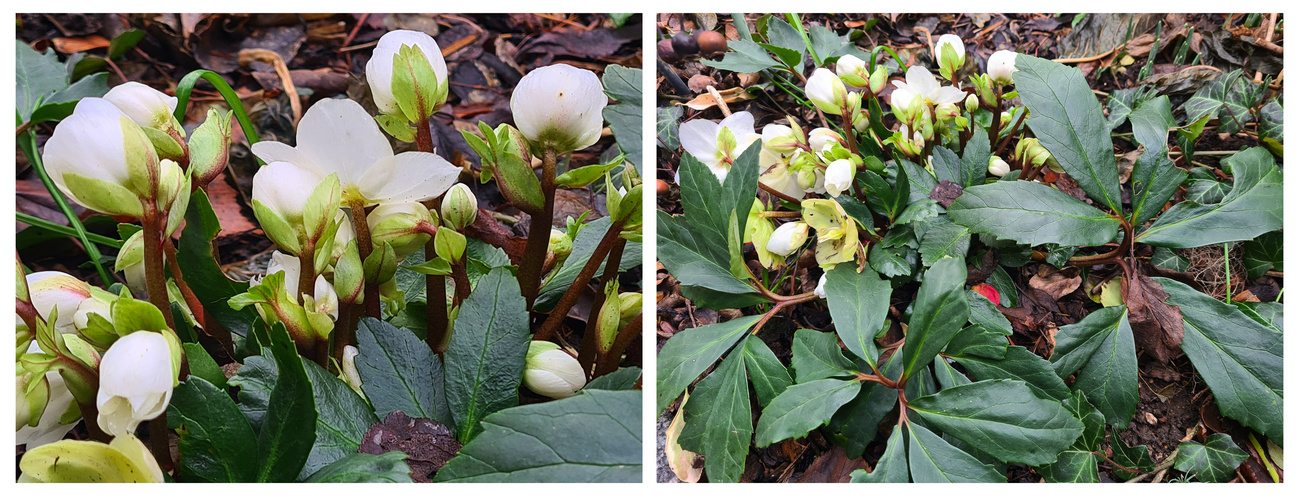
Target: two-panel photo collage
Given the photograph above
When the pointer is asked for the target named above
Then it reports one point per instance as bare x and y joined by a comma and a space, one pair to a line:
946, 247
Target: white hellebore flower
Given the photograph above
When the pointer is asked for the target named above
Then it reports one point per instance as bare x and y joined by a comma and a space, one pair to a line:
55, 291
998, 167
558, 107
285, 188
838, 177
551, 372
818, 290
787, 238
1001, 66
717, 145
337, 136
136, 377
828, 92
920, 82
101, 159
145, 106
324, 298
379, 70
848, 65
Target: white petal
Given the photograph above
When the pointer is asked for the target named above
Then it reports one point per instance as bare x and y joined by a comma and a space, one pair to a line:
741, 124
136, 380
379, 69
950, 95
272, 151
88, 142
340, 137
700, 138
284, 187
559, 105
410, 176
146, 106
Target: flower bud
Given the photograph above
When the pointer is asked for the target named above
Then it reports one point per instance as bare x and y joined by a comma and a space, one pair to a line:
48, 402
348, 371
1030, 152
781, 139
787, 238
947, 112
398, 74
210, 146
349, 279
558, 107
460, 208
136, 376
828, 92
399, 225
53, 291
877, 81
904, 103
819, 290
144, 105
840, 174
1001, 66
998, 167
852, 71
92, 306
102, 160
551, 372
949, 54
324, 300
630, 306
971, 103
560, 244
1004, 119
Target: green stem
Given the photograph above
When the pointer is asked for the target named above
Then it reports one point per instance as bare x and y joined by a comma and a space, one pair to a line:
186, 86
28, 143
65, 230
1227, 273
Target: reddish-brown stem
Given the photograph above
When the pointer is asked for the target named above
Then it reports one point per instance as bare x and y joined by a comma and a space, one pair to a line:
306, 272
871, 377
554, 318
28, 313
540, 230
609, 361
1011, 133
90, 413
777, 193
904, 402
338, 338
461, 280
1111, 255
436, 307
847, 124
782, 304
588, 349
996, 122
156, 286
783, 214
371, 299
210, 325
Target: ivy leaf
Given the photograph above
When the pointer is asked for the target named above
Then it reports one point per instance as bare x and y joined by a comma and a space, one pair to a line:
1073, 466
1229, 97
1241, 360
893, 467
1263, 254
1003, 418
1031, 213
744, 56
1271, 120
717, 421
1213, 461
815, 355
1122, 101
594, 436
939, 312
690, 352
1102, 346
667, 126
932, 460
803, 408
485, 359
1067, 119
1136, 458
858, 302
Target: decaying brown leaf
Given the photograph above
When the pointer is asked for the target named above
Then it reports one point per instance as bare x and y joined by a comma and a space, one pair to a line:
681, 461
1159, 328
1056, 283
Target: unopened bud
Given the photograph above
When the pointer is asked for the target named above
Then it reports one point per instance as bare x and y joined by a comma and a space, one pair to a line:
971, 103
551, 372
630, 306
459, 207
877, 81
787, 238
998, 167
400, 225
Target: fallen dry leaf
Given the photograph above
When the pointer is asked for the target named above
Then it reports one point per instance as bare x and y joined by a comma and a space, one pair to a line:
1055, 283
1159, 328
705, 101
681, 461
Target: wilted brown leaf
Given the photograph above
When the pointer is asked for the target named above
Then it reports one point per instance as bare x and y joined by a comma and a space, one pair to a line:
1159, 328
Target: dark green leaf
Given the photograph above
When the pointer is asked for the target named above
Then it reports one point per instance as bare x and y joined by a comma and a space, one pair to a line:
623, 379
485, 358
124, 42
399, 372
919, 210
1018, 364
1033, 214
704, 282
1207, 192
893, 467
946, 375
979, 341
1270, 314
289, 427
390, 467
1122, 101
787, 56
202, 270
767, 374
984, 313
921, 181
932, 460
594, 436
1081, 408
625, 85
1228, 97
1166, 258
827, 43
1253, 207
717, 421
965, 172
585, 244
944, 239
1154, 178
816, 355
342, 420
1136, 458
1068, 120
1263, 254
1073, 466
1213, 462
784, 35
857, 302
744, 56
940, 310
1003, 418
667, 119
1004, 284
255, 379
217, 445
203, 366
1271, 120
891, 261
63, 102
1241, 360
39, 76
1102, 347
803, 408
857, 421
690, 352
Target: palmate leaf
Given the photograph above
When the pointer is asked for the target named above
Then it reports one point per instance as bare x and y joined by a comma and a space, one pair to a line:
1263, 254
803, 408
1253, 207
1068, 121
1241, 360
1229, 98
1121, 102
718, 422
1213, 461
1271, 120
667, 126
1130, 457
1031, 213
1002, 418
690, 352
1102, 346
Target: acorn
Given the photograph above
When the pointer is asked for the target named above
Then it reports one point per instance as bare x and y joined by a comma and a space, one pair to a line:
665, 49
711, 42
684, 44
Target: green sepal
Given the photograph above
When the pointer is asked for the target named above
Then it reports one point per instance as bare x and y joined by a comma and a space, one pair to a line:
381, 264
132, 315
449, 244
325, 246
350, 277
164, 144
277, 228
582, 176
434, 267
104, 196
320, 207
398, 127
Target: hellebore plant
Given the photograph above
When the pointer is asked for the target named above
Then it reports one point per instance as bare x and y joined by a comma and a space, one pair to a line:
924, 338
338, 338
